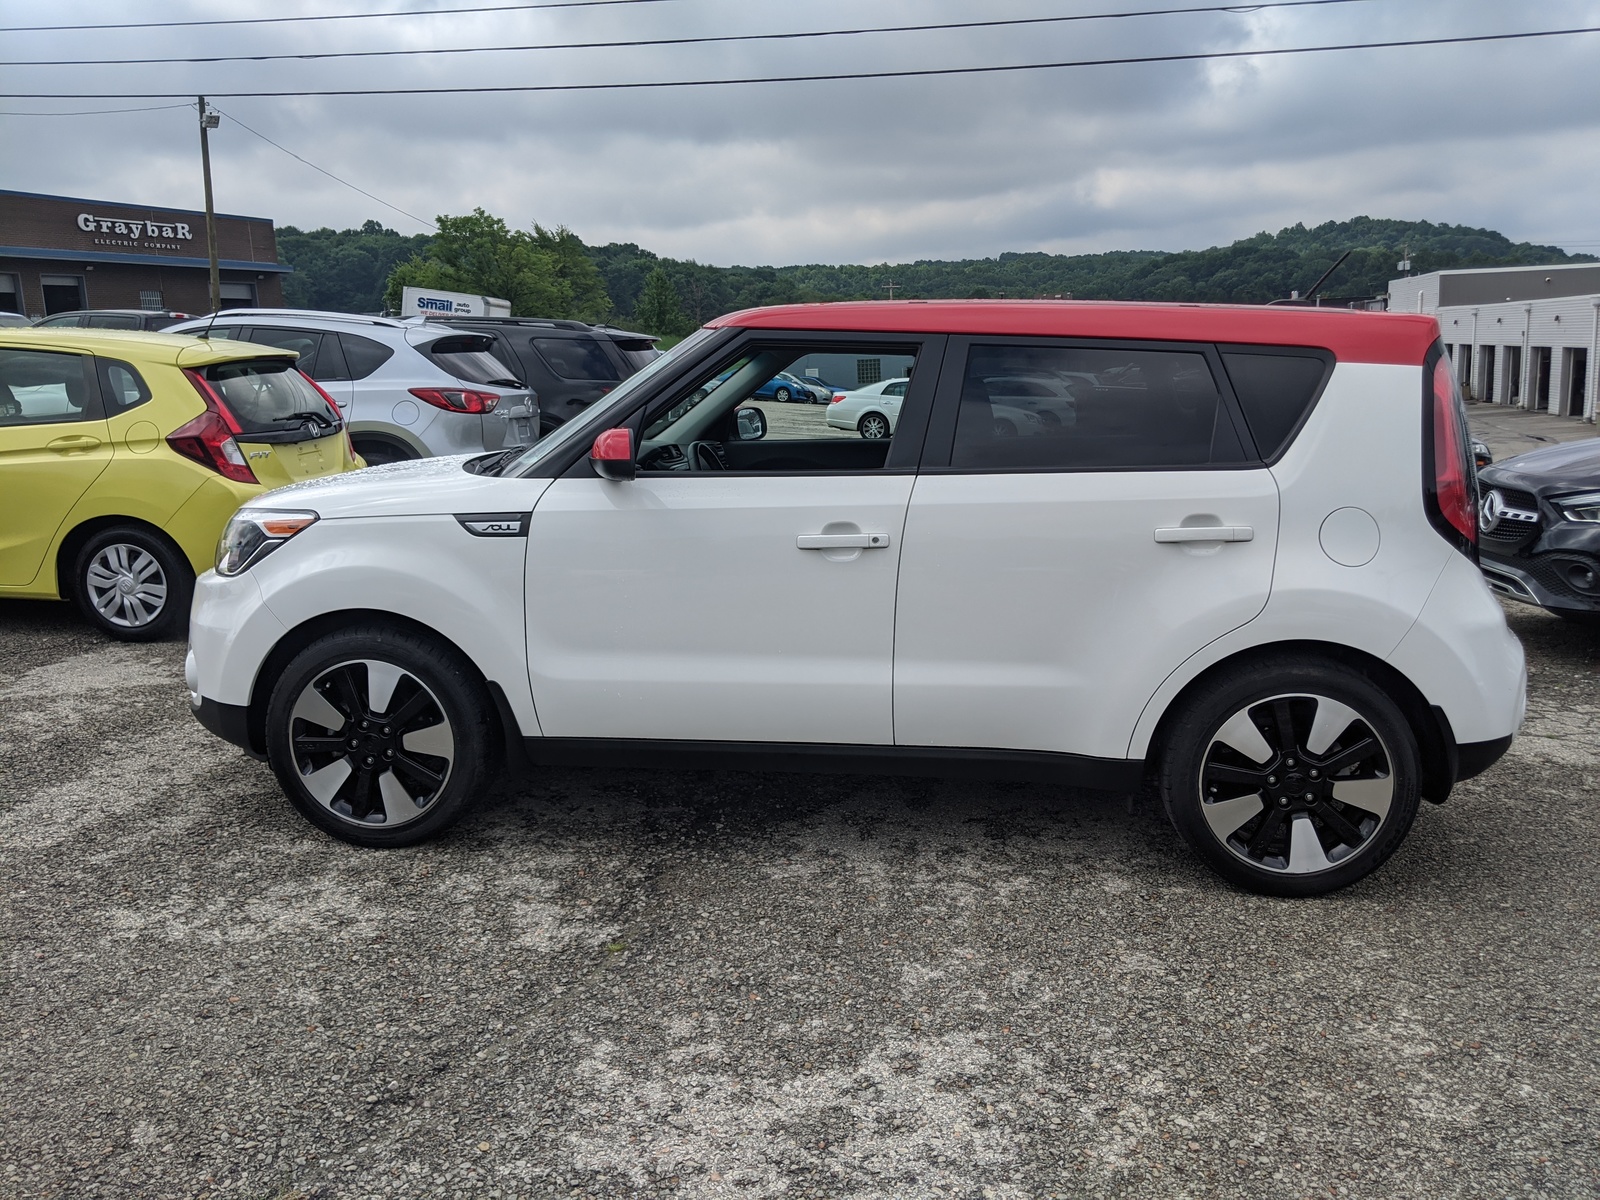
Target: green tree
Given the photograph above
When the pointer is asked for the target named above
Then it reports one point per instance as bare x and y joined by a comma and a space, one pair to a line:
343, 270
659, 310
586, 290
537, 272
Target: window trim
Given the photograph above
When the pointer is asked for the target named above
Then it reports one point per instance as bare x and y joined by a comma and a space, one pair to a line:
103, 381
941, 435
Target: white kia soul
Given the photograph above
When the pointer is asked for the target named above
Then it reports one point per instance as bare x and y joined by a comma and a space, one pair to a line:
1234, 551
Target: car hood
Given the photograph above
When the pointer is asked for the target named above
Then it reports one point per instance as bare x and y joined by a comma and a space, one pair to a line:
422, 487
1563, 467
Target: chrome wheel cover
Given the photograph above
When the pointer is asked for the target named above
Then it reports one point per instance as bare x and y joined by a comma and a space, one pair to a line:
126, 585
371, 743
1296, 784
874, 428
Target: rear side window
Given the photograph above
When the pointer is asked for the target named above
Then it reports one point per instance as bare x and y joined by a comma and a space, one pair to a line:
41, 387
266, 394
1076, 408
121, 386
576, 358
1276, 391
469, 360
307, 343
362, 355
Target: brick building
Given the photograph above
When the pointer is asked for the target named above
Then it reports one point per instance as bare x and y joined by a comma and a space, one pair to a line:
59, 253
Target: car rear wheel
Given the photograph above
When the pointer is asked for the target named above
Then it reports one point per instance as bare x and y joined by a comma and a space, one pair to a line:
133, 585
381, 736
873, 427
378, 453
1292, 779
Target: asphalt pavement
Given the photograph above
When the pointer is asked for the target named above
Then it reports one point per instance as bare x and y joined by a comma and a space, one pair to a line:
632, 984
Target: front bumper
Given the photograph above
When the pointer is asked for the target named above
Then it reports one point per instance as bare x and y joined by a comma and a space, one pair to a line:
230, 722
1538, 580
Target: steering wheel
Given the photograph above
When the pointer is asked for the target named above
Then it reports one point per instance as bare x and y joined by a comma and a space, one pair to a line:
706, 456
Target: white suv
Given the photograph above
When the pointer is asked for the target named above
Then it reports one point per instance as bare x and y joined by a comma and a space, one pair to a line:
1244, 566
407, 389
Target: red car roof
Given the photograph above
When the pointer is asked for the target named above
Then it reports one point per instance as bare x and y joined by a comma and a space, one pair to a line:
1365, 337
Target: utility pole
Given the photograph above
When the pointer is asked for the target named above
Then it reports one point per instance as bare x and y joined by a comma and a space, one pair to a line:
210, 120
890, 287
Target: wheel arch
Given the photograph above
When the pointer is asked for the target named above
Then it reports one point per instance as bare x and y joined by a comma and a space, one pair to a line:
1435, 739
302, 635
386, 437
72, 544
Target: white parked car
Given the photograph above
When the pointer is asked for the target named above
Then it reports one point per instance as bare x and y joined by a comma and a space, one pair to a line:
406, 389
1246, 570
871, 411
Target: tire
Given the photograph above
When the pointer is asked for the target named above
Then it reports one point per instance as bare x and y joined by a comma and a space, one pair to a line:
783, 395
331, 730
133, 585
873, 426
1291, 725
379, 453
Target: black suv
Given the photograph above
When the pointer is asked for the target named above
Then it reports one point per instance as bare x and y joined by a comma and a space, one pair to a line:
569, 364
113, 318
1539, 528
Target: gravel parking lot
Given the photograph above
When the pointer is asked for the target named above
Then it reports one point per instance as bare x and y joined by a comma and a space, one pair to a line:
724, 985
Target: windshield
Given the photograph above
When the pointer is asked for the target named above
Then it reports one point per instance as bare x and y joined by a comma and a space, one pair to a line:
599, 417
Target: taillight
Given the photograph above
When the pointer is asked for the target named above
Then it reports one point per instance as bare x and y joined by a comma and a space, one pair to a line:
209, 438
837, 396
1449, 482
317, 387
458, 399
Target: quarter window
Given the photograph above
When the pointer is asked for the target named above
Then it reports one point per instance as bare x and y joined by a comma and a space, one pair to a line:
1074, 408
121, 386
40, 387
363, 355
1275, 392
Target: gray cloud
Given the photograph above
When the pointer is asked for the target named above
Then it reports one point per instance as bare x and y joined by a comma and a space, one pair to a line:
1166, 156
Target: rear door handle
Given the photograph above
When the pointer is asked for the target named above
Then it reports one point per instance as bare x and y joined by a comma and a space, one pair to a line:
842, 541
1206, 533
75, 441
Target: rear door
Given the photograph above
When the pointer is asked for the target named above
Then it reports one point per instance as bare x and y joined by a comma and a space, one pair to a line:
54, 444
1054, 574
287, 432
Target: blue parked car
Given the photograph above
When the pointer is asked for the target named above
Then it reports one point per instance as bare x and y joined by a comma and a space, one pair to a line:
784, 387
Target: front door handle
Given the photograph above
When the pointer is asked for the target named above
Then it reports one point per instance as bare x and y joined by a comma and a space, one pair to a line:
842, 541
74, 441
1206, 533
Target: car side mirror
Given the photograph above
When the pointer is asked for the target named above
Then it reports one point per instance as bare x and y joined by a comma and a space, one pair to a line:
611, 456
750, 424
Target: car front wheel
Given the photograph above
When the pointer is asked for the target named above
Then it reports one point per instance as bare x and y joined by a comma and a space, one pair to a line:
1292, 779
133, 585
381, 736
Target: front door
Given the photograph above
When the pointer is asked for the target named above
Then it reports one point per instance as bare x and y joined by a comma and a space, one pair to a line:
1057, 567
740, 588
54, 444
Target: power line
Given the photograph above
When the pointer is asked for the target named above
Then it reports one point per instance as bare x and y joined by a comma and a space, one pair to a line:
97, 112
680, 41
324, 171
420, 12
919, 73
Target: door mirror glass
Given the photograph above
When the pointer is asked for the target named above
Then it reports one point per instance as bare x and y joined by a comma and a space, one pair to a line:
750, 424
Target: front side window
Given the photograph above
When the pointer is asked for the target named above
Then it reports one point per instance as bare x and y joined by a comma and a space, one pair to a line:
1076, 408
576, 358
41, 387
731, 420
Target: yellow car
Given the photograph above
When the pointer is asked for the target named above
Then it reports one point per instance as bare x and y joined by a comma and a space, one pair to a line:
122, 456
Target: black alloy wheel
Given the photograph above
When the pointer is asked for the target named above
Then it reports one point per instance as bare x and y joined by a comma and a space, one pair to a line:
381, 736
133, 584
1295, 781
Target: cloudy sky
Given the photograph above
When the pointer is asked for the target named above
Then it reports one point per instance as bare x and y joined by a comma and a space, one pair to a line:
1163, 156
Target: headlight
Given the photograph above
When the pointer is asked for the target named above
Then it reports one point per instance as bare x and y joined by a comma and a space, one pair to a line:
254, 533
1581, 508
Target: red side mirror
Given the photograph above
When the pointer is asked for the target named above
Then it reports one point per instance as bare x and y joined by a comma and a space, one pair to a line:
612, 455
